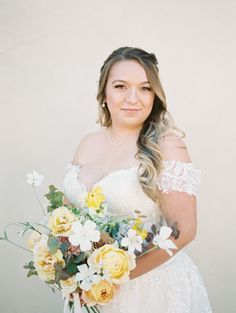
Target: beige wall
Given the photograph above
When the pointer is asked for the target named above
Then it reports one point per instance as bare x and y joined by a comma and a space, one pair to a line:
50, 56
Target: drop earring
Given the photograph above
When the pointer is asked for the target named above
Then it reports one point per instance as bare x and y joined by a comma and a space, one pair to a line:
104, 105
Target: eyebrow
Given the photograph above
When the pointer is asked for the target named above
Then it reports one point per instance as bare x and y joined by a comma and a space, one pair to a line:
123, 81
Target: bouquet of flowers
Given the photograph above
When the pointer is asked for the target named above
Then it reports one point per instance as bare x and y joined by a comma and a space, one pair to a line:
84, 251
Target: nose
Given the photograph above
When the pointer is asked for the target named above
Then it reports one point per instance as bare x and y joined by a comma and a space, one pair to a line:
131, 96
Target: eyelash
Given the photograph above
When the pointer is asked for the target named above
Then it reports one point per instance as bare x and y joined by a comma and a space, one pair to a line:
149, 89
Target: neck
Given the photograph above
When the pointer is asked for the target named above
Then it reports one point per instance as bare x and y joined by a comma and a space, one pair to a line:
120, 133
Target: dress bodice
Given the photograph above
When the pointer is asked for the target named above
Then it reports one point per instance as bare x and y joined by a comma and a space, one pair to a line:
124, 193
174, 286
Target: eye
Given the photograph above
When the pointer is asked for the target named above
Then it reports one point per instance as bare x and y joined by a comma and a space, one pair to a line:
147, 88
119, 86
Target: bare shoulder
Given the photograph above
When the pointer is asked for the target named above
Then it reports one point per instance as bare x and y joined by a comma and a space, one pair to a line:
173, 147
87, 143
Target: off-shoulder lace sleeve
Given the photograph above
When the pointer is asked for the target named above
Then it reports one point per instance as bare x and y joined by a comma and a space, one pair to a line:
179, 176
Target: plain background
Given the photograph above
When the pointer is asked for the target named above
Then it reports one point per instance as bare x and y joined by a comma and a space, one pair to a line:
51, 52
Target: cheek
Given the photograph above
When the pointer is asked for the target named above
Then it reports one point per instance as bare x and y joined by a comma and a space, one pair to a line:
115, 97
148, 104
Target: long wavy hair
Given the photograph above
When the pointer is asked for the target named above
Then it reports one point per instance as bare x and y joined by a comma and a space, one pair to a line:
158, 123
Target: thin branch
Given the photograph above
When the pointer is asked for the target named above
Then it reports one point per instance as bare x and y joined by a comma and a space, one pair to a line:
15, 244
38, 199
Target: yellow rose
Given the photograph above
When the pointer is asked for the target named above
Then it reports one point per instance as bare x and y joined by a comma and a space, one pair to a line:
95, 198
117, 262
68, 286
34, 239
101, 293
44, 261
60, 221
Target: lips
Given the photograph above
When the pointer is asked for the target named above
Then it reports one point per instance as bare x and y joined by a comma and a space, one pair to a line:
131, 110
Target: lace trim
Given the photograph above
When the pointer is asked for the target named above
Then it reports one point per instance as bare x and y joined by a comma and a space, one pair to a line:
175, 286
179, 176
176, 175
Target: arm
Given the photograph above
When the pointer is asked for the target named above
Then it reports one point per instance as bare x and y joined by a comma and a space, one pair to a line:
176, 206
77, 159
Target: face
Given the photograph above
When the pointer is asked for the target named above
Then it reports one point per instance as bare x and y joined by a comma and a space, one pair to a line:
128, 94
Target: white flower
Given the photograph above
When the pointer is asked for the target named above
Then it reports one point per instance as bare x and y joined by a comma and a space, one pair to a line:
81, 200
162, 240
106, 275
83, 235
34, 178
87, 277
132, 241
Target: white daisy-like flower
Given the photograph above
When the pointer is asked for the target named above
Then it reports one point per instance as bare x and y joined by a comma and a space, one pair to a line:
162, 240
133, 241
84, 235
81, 200
106, 275
87, 277
34, 178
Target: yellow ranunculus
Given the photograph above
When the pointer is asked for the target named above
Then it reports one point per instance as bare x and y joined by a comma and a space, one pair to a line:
138, 227
68, 286
60, 221
101, 293
34, 239
116, 262
44, 261
95, 198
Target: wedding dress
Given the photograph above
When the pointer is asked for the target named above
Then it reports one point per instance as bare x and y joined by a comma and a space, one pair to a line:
175, 286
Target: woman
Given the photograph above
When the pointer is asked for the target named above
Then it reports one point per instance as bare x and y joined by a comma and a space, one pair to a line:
141, 161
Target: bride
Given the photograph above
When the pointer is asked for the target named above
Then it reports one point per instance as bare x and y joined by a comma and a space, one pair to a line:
142, 163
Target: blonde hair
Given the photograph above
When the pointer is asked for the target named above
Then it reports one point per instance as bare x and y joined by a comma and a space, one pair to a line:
158, 123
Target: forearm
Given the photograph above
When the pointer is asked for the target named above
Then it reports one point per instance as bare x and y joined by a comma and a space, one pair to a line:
155, 258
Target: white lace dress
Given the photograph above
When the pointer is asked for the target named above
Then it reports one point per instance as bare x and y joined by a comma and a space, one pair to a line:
176, 286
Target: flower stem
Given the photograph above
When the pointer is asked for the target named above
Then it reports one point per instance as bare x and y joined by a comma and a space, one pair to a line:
15, 244
38, 199
87, 309
154, 248
97, 310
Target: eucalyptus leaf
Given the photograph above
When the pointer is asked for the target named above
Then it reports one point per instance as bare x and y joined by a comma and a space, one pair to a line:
53, 244
63, 247
78, 258
71, 268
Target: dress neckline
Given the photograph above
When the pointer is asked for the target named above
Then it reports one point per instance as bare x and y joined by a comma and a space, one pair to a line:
165, 162
78, 166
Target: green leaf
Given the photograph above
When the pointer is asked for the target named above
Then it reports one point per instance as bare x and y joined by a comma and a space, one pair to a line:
31, 273
154, 229
29, 265
63, 247
53, 244
71, 268
55, 197
78, 258
65, 275
51, 282
58, 275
